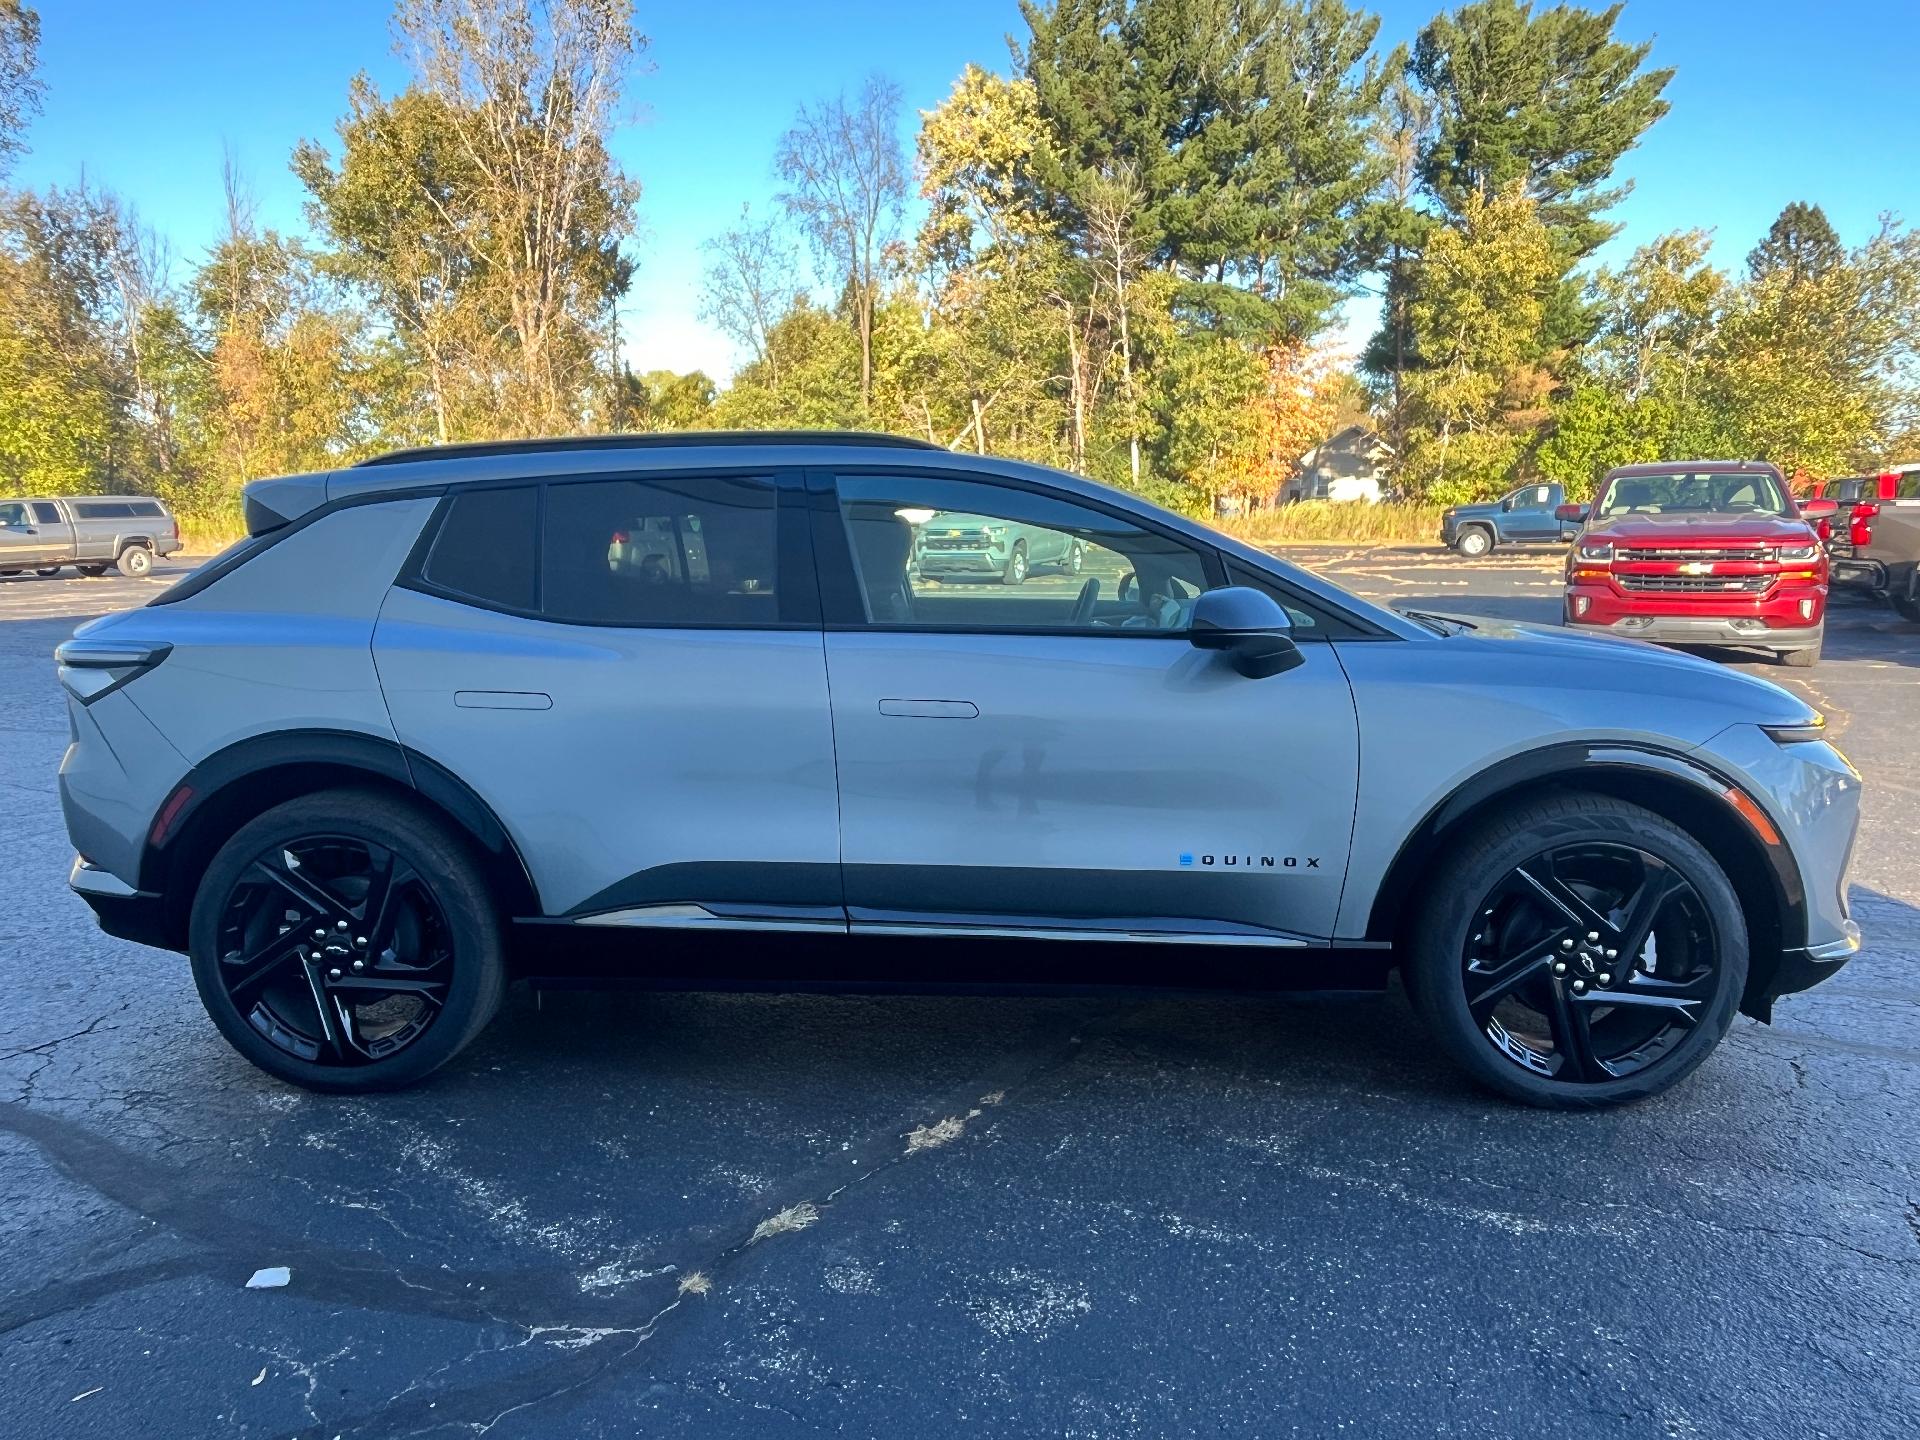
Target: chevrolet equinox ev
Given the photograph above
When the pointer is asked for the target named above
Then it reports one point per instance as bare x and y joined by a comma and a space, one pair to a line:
637, 688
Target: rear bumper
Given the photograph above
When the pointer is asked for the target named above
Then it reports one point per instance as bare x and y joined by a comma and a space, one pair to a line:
123, 912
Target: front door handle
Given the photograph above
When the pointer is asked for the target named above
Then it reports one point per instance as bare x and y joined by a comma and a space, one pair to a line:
931, 709
502, 700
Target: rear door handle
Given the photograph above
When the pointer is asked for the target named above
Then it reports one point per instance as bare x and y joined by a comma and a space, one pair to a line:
502, 700
931, 709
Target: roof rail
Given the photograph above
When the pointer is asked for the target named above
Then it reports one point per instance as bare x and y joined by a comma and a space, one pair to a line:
667, 440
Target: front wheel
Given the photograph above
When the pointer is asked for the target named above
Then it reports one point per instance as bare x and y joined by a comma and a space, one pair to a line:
1578, 952
135, 561
1473, 542
1802, 659
1016, 571
92, 572
346, 942
1907, 607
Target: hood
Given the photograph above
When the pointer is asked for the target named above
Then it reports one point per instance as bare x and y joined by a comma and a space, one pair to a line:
1479, 507
1616, 663
1683, 530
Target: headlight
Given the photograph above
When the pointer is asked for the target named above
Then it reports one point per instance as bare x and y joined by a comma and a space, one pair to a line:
1800, 552
996, 531
1601, 551
1812, 728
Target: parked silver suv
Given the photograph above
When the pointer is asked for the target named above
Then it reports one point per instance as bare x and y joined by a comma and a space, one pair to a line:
429, 714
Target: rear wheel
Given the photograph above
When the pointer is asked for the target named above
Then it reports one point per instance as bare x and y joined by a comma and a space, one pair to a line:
1907, 607
1473, 542
346, 942
135, 561
1579, 952
92, 572
48, 570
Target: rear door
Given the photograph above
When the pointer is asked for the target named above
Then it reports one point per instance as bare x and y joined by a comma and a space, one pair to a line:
629, 671
1057, 755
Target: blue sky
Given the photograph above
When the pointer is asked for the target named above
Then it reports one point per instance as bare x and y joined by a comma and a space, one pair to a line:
1775, 100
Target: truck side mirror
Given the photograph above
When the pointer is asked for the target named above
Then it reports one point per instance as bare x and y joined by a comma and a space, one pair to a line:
1575, 513
1818, 509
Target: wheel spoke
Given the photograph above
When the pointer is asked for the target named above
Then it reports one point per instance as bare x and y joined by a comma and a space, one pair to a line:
432, 991
1495, 982
1643, 910
1539, 877
316, 898
262, 963
323, 1007
1572, 1037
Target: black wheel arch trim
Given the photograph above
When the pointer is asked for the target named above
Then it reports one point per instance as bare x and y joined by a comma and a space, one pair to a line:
1588, 762
336, 755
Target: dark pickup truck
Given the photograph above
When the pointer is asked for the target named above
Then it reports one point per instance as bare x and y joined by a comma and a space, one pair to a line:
1526, 516
90, 532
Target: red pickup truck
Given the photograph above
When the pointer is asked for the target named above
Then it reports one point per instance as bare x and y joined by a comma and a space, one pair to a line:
1701, 552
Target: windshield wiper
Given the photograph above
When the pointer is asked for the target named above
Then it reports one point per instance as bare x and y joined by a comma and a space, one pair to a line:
1439, 624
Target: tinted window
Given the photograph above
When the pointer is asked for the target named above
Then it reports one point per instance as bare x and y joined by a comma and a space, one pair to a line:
660, 552
485, 548
974, 554
1908, 486
46, 512
13, 514
146, 507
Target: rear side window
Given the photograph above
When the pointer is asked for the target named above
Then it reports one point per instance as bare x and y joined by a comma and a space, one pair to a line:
46, 512
1908, 487
486, 547
146, 507
103, 509
689, 551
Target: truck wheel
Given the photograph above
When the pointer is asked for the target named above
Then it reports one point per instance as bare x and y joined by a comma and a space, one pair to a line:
48, 570
1907, 607
1802, 659
1473, 542
1016, 571
1577, 952
92, 572
135, 561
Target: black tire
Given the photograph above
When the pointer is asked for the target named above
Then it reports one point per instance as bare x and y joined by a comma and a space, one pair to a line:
1473, 542
92, 572
1472, 928
445, 897
1907, 607
1076, 558
1016, 571
135, 561
1803, 659
9, 572
48, 570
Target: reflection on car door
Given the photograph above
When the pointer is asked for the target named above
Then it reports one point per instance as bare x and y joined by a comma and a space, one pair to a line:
23, 544
1059, 764
655, 736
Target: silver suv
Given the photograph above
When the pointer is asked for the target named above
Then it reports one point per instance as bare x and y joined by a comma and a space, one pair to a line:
429, 722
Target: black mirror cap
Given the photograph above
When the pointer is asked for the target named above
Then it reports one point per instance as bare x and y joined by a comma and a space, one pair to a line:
1250, 627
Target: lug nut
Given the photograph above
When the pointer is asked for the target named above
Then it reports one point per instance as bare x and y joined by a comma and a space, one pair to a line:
1613, 954
1605, 978
1579, 987
334, 974
358, 966
319, 934
342, 925
360, 941
1559, 967
1566, 944
1593, 937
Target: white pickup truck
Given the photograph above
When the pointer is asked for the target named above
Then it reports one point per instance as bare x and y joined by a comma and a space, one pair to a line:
90, 532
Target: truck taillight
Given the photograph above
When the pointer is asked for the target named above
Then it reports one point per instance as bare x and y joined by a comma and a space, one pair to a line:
1860, 530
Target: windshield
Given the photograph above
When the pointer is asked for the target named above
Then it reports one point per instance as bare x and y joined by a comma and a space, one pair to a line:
1748, 492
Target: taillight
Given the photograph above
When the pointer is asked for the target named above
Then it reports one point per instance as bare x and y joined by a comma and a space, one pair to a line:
619, 537
92, 668
1860, 530
1824, 530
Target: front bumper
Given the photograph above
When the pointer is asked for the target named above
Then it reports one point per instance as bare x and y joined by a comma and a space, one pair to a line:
1707, 630
960, 562
1773, 619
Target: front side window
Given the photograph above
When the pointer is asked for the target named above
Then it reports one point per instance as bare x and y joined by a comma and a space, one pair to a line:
930, 551
13, 514
661, 552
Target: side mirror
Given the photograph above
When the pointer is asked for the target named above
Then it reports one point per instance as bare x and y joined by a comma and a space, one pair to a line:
1575, 513
1249, 627
1507, 504
1819, 509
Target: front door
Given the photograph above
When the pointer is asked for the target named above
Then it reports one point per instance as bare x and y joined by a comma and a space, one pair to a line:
23, 543
1045, 750
1530, 514
630, 673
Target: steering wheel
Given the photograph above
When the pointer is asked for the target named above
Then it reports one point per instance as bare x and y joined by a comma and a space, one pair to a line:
1083, 603
1129, 587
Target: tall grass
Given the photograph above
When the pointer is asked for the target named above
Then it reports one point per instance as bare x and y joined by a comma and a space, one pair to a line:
1323, 522
208, 534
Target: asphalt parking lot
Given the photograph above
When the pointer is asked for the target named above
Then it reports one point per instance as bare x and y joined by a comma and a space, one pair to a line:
1118, 1216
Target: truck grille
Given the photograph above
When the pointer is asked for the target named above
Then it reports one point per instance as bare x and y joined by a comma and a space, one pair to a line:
1759, 553
1697, 584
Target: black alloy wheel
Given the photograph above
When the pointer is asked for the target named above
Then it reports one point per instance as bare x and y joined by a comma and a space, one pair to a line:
346, 942
1601, 961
